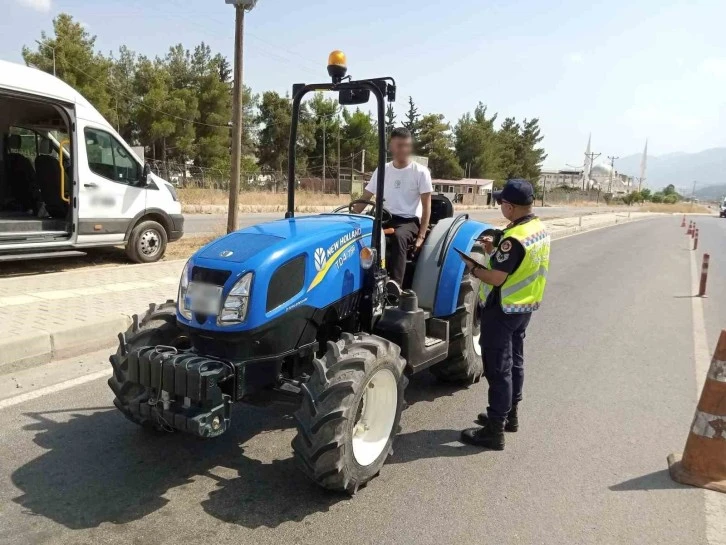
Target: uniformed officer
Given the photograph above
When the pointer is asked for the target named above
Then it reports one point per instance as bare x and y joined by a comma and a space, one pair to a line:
512, 285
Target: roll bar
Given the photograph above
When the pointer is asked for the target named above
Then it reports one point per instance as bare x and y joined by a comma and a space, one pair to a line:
378, 87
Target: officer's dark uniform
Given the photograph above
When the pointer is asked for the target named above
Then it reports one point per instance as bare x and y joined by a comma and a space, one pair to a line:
502, 339
505, 312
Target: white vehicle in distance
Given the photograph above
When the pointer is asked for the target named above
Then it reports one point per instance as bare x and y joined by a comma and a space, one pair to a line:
68, 181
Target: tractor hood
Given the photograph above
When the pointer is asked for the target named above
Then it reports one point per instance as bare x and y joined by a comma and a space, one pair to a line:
282, 236
311, 261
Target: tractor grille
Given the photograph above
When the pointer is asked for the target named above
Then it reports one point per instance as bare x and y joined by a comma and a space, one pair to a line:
210, 276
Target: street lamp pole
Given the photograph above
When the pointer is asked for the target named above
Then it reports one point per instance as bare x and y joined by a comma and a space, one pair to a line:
237, 102
41, 44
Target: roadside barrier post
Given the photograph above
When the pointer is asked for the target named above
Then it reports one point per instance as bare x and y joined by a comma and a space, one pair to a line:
693, 230
704, 458
690, 228
683, 221
695, 241
704, 275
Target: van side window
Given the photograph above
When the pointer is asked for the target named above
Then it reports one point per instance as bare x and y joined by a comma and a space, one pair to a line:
108, 158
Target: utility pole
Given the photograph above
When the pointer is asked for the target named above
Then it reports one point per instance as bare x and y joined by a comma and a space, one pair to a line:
589, 161
352, 171
693, 193
324, 159
338, 192
363, 162
612, 171
240, 7
41, 44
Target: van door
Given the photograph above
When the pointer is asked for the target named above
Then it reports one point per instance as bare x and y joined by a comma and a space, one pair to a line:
109, 193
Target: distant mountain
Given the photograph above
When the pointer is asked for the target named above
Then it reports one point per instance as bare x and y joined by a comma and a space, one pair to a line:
680, 169
711, 192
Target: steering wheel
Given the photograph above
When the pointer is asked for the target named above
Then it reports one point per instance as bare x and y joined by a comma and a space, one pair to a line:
385, 216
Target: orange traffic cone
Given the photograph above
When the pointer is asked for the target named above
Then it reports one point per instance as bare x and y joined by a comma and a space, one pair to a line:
683, 221
704, 459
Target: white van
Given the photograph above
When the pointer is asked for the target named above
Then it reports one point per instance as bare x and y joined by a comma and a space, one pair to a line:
68, 181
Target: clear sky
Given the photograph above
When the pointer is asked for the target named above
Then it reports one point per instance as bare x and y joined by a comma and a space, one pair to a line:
623, 69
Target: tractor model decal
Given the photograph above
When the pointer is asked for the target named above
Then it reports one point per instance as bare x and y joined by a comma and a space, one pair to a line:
354, 234
334, 252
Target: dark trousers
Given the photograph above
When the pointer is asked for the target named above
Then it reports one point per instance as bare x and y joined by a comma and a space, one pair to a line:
502, 344
406, 231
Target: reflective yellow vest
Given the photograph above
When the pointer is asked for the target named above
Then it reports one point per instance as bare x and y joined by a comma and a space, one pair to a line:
522, 291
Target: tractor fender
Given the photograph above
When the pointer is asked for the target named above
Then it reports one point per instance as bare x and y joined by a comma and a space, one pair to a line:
439, 269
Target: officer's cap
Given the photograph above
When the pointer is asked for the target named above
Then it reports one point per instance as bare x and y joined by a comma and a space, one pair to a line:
518, 192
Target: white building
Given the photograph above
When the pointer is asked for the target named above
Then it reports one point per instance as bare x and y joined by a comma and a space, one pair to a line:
618, 184
560, 178
467, 190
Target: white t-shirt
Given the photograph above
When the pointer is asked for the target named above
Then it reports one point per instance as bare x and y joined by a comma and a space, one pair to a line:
402, 189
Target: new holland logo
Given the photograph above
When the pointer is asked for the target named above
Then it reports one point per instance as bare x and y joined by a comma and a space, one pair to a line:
319, 259
226, 253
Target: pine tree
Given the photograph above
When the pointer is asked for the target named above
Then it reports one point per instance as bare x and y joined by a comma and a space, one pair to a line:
412, 118
435, 142
77, 62
390, 120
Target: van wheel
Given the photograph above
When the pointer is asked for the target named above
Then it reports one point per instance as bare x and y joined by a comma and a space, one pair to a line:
147, 242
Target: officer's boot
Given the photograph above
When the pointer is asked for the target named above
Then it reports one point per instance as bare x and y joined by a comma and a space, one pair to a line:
512, 424
490, 436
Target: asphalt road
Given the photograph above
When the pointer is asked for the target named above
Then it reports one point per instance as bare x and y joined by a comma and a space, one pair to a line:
198, 224
610, 391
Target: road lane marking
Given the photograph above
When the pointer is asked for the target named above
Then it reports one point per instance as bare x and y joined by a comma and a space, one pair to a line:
40, 392
715, 503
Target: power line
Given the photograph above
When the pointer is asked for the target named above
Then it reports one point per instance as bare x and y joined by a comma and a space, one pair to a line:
265, 52
192, 121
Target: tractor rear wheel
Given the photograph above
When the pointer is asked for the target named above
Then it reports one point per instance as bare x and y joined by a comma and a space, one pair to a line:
350, 412
157, 327
464, 364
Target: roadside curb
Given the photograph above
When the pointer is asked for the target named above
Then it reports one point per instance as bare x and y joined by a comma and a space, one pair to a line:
46, 346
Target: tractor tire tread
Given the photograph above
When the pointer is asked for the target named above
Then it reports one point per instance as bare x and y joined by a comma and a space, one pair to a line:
320, 445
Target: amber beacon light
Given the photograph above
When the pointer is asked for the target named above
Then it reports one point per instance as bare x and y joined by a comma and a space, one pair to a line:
337, 65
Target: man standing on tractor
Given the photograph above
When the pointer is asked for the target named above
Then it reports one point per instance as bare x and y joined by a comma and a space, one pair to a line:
512, 286
407, 196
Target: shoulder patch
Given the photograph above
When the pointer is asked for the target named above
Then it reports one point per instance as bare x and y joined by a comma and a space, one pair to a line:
506, 246
501, 258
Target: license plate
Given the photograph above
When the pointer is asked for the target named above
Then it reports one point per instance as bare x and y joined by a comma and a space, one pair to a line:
204, 298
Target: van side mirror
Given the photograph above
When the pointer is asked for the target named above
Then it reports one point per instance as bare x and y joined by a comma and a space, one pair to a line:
145, 173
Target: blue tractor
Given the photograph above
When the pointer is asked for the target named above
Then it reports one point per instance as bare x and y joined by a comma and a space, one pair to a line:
297, 309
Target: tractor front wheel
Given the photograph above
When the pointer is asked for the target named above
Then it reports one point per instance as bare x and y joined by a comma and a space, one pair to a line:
156, 327
350, 412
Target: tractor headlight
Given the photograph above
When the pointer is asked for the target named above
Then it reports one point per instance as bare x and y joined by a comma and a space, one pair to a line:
237, 302
182, 303
367, 257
